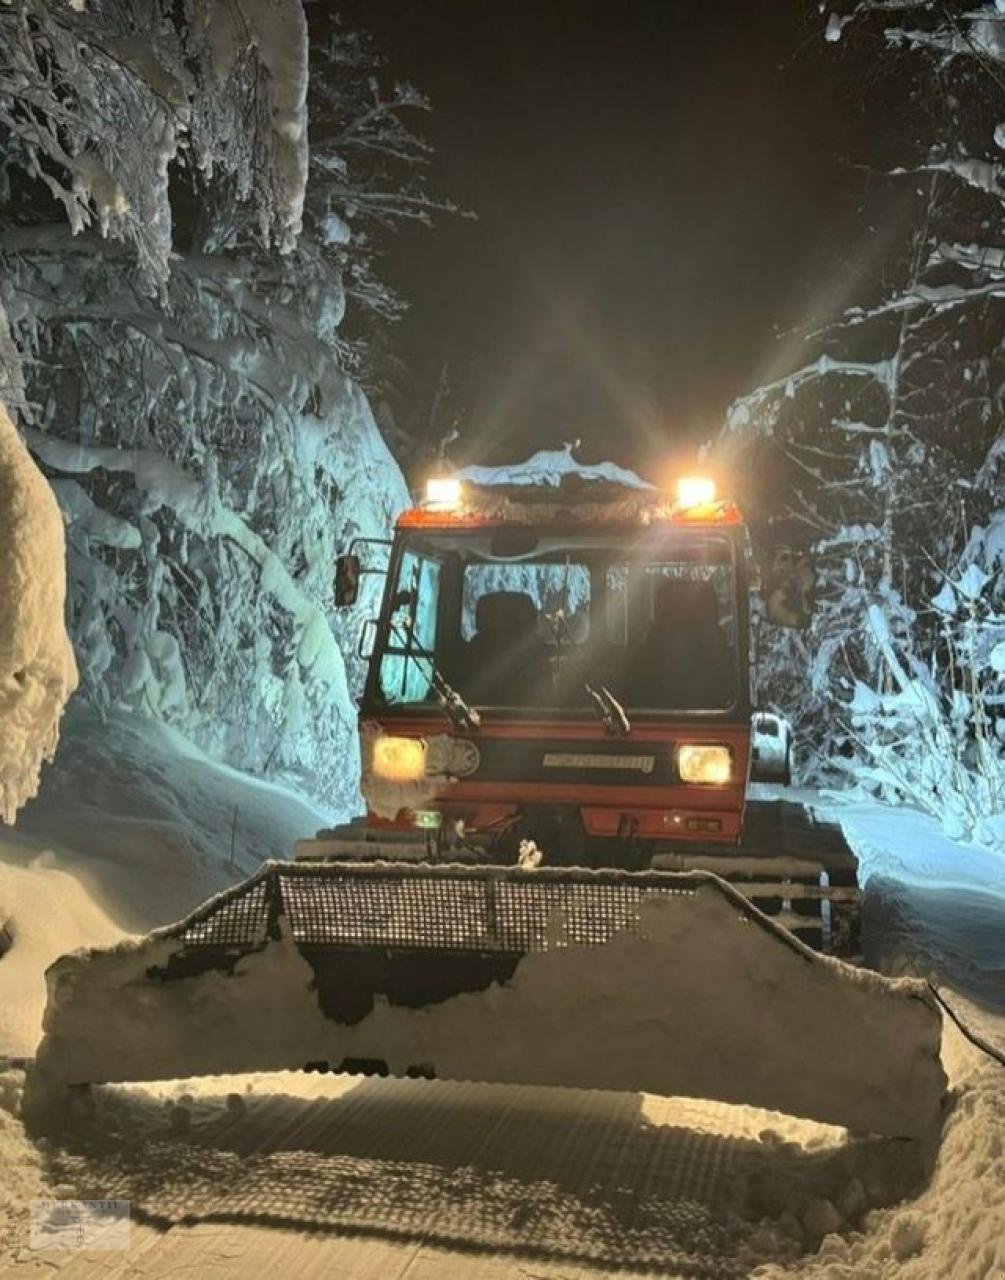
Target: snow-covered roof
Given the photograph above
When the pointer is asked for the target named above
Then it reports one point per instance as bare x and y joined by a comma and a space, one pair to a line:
552, 468
553, 487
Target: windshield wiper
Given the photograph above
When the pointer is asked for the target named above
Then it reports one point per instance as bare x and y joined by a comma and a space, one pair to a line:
612, 713
457, 711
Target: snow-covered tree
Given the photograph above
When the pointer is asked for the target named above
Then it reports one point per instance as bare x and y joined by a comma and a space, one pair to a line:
951, 57
893, 418
187, 360
863, 467
932, 736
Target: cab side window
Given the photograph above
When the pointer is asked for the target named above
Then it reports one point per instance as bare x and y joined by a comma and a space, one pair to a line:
405, 671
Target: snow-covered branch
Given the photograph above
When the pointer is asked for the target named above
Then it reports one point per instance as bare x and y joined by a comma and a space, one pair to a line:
99, 102
743, 411
198, 507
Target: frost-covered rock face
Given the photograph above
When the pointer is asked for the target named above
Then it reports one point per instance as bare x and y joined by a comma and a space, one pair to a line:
37, 669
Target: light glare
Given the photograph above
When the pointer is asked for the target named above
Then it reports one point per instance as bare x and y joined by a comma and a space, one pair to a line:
695, 491
443, 492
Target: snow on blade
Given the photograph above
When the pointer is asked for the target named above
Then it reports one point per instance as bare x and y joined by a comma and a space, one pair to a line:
48, 909
37, 669
703, 997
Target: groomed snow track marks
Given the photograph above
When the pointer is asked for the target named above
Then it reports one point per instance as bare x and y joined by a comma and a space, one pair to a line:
509, 1178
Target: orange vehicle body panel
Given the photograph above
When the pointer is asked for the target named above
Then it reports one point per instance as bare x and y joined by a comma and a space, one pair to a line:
680, 812
677, 812
716, 513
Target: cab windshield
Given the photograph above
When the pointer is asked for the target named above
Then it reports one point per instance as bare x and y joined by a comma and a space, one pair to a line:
513, 618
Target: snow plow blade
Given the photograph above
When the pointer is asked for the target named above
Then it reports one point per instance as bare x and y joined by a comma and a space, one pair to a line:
659, 982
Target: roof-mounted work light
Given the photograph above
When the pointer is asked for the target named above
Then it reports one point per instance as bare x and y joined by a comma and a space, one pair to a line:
443, 493
695, 491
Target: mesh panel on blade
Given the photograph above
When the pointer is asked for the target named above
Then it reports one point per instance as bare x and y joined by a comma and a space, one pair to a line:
341, 910
444, 912
236, 920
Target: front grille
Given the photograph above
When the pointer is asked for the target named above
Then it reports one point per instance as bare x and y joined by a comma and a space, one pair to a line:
575, 761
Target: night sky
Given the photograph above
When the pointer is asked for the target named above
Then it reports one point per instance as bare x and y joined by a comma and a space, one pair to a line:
661, 189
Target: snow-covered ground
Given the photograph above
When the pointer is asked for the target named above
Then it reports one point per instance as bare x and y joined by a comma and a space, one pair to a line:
292, 1174
932, 906
133, 828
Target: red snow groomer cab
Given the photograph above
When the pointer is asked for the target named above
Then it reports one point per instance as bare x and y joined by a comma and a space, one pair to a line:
561, 677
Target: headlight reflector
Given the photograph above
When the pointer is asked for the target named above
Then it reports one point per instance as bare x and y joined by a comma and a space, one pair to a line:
705, 764
399, 759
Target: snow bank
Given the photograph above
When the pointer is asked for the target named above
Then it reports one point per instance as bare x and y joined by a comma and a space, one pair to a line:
48, 911
133, 827
149, 824
21, 1176
37, 668
703, 1003
956, 1226
932, 906
910, 846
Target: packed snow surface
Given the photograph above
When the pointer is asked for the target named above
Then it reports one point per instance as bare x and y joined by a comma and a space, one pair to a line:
251, 1176
257, 1175
37, 669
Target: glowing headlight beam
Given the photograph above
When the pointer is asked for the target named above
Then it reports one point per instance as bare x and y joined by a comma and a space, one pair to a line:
399, 759
443, 493
703, 764
695, 491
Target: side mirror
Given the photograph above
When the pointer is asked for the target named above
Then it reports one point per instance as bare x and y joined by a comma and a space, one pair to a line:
788, 585
347, 574
771, 749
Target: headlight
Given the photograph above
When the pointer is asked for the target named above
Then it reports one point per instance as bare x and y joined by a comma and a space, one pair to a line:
712, 766
399, 759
